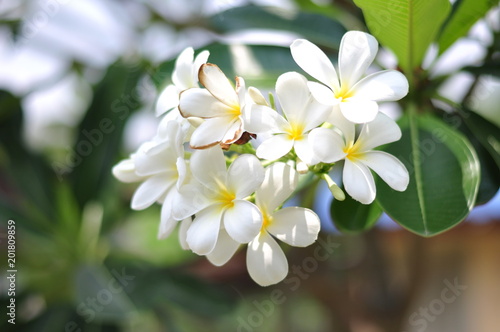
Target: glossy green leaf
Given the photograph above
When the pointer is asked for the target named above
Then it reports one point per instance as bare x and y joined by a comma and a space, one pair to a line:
464, 14
407, 27
350, 216
317, 28
485, 131
489, 158
444, 177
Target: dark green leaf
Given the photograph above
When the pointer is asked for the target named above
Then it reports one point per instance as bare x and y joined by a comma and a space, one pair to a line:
444, 177
488, 68
102, 295
407, 27
26, 178
350, 216
490, 170
156, 286
100, 132
486, 132
465, 13
318, 29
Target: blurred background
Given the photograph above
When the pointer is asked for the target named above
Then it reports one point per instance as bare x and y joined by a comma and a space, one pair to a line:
78, 85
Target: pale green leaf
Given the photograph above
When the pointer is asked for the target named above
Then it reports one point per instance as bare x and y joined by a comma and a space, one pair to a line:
407, 27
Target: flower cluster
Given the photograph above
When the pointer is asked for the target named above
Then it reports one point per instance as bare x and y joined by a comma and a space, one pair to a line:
227, 189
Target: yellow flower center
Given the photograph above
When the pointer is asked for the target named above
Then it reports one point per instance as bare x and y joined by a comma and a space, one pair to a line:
266, 221
295, 131
343, 94
235, 111
352, 151
225, 196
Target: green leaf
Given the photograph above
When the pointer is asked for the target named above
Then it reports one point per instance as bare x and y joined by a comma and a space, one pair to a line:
465, 13
488, 68
100, 133
350, 216
317, 28
486, 132
407, 27
158, 286
108, 291
27, 180
489, 158
444, 177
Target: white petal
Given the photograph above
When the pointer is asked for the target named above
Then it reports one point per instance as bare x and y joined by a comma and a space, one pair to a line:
224, 249
245, 175
209, 167
217, 83
212, 131
150, 190
389, 168
266, 262
380, 131
304, 152
198, 61
203, 233
241, 91
262, 119
358, 181
242, 221
279, 183
183, 229
314, 62
359, 110
347, 128
168, 99
275, 147
160, 159
294, 96
200, 103
327, 145
125, 171
388, 85
182, 76
182, 171
190, 199
316, 114
357, 51
233, 131
167, 222
294, 225
322, 94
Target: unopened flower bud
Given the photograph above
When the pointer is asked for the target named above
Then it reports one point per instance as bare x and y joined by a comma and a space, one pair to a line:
337, 193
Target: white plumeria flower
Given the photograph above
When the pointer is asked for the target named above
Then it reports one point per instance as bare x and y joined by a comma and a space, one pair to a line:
218, 199
359, 155
302, 113
161, 166
221, 106
296, 226
355, 95
184, 76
